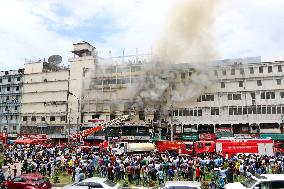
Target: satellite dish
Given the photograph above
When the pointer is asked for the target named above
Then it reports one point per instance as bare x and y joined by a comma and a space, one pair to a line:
55, 59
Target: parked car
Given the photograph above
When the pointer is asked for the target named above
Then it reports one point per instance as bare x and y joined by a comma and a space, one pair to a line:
31, 180
94, 182
181, 185
259, 182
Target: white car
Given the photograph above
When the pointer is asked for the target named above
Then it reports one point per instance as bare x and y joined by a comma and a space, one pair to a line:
264, 181
181, 185
94, 182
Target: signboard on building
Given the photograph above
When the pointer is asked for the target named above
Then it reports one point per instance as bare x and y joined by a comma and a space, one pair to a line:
10, 135
207, 136
273, 136
178, 129
247, 135
190, 137
223, 134
187, 129
99, 137
156, 137
141, 137
127, 138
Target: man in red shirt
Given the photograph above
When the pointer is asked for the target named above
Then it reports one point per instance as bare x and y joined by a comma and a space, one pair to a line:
197, 173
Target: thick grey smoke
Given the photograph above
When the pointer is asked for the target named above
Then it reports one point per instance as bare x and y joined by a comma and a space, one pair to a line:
187, 38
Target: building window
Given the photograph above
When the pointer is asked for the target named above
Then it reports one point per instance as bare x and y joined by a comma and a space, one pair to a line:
182, 75
33, 118
241, 83
273, 108
25, 118
42, 118
214, 111
0, 80
16, 108
17, 88
279, 68
269, 69
199, 99
268, 110
18, 79
268, 95
251, 70
222, 84
260, 69
258, 109
237, 96
262, 95
52, 118
6, 72
215, 72
230, 96
242, 71
62, 118
278, 81
224, 72
235, 111
207, 97
8, 88
199, 113
11, 117
259, 83
175, 75
185, 112
233, 71
278, 109
282, 94
9, 79
245, 110
263, 109
252, 95
231, 111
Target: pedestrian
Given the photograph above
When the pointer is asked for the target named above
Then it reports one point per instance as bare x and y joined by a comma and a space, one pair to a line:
160, 175
197, 173
9, 176
145, 172
15, 171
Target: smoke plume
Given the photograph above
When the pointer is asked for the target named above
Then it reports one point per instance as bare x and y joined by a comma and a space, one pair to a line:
187, 38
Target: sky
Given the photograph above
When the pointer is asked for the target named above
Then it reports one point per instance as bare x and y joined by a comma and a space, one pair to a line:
36, 29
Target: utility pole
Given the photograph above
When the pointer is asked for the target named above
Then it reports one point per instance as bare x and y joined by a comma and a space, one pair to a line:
160, 125
69, 126
172, 127
79, 115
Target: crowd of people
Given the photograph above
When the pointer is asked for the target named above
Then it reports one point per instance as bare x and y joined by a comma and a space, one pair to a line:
213, 170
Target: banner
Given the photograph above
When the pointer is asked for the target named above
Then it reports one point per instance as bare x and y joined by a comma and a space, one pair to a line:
207, 136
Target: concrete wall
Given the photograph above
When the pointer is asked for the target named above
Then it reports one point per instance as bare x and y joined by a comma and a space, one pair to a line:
44, 99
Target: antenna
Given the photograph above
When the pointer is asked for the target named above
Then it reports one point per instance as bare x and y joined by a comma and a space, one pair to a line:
55, 59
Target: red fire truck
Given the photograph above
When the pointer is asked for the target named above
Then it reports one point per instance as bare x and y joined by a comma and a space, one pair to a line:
226, 146
232, 146
185, 148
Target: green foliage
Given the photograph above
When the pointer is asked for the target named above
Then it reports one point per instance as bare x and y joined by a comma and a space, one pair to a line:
55, 177
125, 184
